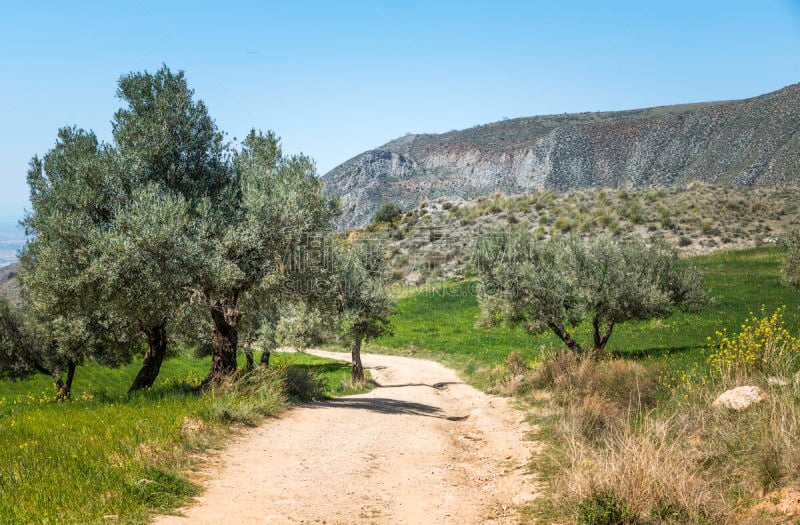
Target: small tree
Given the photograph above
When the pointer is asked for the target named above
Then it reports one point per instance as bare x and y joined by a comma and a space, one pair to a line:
791, 262
561, 283
387, 212
364, 302
24, 350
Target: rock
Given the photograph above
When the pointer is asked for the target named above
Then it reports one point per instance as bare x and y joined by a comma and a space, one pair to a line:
739, 398
777, 381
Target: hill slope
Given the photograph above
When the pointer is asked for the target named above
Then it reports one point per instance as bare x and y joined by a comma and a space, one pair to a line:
751, 142
9, 285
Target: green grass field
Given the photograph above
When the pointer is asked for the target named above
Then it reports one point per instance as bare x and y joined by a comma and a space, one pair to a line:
106, 453
439, 322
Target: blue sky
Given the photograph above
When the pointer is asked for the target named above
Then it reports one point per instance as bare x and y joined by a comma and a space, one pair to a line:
336, 78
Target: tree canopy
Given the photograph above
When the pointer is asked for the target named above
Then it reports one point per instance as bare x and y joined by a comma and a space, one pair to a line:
558, 284
364, 302
387, 212
131, 239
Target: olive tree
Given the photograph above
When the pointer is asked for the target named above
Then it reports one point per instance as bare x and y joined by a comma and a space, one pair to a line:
143, 266
72, 193
558, 284
259, 240
791, 262
364, 302
112, 224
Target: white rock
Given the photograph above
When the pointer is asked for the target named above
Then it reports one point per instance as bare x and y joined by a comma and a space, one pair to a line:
739, 398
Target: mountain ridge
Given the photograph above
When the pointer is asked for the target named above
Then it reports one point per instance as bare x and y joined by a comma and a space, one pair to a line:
740, 143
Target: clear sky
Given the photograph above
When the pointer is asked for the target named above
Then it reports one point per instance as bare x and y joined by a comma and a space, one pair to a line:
334, 78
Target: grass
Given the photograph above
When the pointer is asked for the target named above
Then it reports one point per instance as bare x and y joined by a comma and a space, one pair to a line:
634, 440
109, 455
438, 322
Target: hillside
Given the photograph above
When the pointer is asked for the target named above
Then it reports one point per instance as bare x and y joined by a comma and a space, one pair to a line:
434, 240
9, 285
741, 143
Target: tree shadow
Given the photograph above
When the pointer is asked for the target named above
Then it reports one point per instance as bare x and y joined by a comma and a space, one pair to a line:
658, 351
438, 386
384, 405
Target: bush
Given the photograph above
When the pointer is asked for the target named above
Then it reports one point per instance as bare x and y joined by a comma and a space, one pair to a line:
791, 263
604, 508
304, 385
763, 345
387, 212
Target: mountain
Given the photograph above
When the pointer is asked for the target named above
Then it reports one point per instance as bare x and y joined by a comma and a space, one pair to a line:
9, 285
740, 143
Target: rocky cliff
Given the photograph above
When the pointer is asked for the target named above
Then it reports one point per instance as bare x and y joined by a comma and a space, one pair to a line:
751, 142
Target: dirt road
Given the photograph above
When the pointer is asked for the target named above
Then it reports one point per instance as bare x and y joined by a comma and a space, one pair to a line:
423, 448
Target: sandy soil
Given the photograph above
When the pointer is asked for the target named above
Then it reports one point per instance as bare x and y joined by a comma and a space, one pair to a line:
423, 448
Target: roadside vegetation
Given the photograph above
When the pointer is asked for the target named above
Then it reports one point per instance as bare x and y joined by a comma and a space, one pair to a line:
109, 455
632, 436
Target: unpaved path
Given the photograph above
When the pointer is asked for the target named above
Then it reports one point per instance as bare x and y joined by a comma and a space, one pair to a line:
423, 448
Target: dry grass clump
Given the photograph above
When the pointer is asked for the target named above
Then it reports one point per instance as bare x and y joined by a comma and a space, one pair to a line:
686, 463
645, 474
597, 396
625, 452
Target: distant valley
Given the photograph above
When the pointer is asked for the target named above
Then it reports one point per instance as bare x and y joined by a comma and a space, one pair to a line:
743, 143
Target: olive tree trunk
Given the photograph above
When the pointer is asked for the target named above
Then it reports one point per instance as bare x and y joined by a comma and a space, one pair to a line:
601, 340
63, 388
153, 358
358, 366
565, 336
225, 317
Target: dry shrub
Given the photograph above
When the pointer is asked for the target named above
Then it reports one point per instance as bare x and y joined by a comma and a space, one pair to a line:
512, 378
596, 395
649, 473
685, 462
247, 398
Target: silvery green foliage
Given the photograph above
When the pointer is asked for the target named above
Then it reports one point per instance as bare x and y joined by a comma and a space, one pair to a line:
275, 208
364, 299
164, 136
565, 281
144, 262
22, 352
299, 326
791, 262
74, 190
